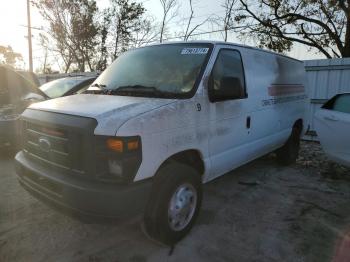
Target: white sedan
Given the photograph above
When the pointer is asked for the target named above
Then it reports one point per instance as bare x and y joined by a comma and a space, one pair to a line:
333, 128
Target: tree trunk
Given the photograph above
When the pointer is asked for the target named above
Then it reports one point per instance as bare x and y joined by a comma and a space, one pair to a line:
116, 46
45, 61
68, 64
89, 63
226, 31
162, 30
117, 41
346, 51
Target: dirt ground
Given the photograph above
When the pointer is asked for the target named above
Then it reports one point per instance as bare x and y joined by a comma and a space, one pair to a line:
259, 212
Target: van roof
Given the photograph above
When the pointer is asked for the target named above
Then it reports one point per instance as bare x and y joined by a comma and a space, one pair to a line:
225, 43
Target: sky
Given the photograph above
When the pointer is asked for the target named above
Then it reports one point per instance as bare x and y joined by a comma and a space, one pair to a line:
13, 19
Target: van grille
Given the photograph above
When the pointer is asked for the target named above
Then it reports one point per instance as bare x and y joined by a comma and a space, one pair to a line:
51, 146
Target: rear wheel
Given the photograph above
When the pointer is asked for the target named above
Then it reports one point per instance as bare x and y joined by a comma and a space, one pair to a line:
288, 154
174, 203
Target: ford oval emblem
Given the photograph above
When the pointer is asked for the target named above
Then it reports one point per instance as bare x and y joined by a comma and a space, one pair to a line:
44, 144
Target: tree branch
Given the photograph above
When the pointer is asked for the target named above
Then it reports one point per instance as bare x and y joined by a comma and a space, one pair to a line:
280, 33
316, 25
295, 17
189, 21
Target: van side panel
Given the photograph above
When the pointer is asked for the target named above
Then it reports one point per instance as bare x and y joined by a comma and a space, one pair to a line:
277, 90
276, 99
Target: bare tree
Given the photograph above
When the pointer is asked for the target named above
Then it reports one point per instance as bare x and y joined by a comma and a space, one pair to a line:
224, 23
228, 23
73, 29
189, 21
189, 31
102, 60
43, 40
170, 11
127, 16
146, 33
52, 48
8, 56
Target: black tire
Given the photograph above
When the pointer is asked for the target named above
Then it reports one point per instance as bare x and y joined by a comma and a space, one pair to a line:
288, 154
169, 180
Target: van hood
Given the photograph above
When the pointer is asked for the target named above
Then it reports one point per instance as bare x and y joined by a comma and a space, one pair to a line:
111, 112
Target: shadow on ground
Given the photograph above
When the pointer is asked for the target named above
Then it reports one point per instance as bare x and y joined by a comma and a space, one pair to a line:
259, 212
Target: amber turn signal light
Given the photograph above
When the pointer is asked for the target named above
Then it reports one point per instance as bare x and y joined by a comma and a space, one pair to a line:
133, 145
115, 145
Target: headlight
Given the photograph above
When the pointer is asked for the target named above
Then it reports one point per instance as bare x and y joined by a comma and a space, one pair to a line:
119, 158
115, 168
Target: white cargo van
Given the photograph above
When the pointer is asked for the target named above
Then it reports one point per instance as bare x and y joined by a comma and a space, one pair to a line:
159, 122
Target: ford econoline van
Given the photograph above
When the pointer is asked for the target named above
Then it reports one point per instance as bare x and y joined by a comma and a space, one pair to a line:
157, 124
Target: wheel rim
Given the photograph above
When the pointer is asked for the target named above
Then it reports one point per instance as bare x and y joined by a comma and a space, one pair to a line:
182, 207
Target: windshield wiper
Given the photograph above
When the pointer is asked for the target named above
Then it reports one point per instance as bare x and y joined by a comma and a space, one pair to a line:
143, 90
99, 90
94, 91
132, 90
137, 88
99, 85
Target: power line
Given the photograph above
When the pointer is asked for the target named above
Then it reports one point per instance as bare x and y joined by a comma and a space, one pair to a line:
29, 38
32, 27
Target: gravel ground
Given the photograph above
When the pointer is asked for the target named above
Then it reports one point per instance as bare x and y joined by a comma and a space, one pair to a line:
259, 212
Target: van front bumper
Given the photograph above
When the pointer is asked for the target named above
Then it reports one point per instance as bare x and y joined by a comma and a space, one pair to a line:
81, 197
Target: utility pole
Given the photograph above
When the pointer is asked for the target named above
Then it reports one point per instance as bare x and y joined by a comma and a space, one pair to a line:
29, 38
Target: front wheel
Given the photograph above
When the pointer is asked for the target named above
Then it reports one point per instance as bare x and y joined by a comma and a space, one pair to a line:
174, 203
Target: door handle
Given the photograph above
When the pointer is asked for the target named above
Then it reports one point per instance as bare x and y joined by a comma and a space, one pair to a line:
331, 118
248, 123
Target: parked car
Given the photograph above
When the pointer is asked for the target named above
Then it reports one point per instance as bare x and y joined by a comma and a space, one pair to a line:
67, 86
16, 93
156, 124
32, 77
333, 128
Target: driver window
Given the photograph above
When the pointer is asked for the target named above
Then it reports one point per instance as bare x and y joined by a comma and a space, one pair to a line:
228, 64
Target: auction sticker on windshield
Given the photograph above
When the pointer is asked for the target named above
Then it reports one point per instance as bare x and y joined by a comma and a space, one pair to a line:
194, 51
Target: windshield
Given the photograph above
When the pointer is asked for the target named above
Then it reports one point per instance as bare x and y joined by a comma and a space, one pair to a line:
155, 71
59, 87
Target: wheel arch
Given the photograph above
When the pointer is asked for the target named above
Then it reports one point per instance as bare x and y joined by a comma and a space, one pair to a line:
190, 157
299, 126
